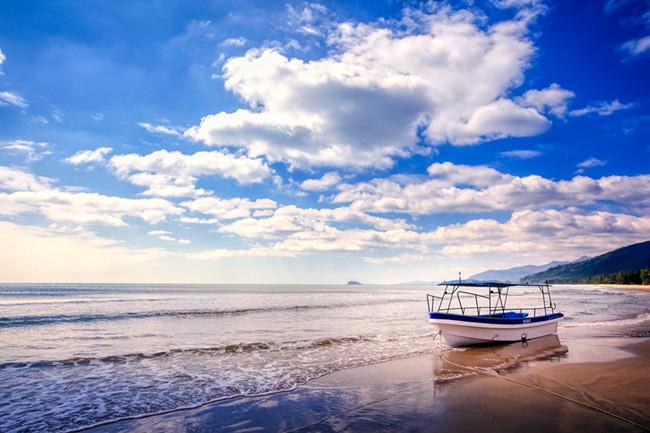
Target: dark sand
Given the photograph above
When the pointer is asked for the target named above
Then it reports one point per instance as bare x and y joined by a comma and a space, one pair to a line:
421, 395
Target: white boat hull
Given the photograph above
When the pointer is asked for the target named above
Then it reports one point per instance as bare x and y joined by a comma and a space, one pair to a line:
461, 333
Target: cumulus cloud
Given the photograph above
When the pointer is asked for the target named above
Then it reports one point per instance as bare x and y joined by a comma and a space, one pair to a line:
327, 181
553, 100
547, 233
86, 208
460, 188
556, 233
31, 194
174, 174
291, 222
227, 208
15, 179
370, 100
89, 156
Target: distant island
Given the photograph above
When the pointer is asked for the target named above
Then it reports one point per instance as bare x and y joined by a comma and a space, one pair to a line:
627, 265
353, 283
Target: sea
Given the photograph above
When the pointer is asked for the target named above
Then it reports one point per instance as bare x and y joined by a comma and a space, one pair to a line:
74, 356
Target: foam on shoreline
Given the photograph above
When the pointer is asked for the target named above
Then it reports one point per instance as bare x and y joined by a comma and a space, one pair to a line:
427, 394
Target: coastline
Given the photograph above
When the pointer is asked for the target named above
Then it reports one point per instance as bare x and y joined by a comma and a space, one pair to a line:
642, 288
544, 390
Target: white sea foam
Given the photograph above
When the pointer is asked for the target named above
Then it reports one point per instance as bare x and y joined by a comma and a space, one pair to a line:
629, 321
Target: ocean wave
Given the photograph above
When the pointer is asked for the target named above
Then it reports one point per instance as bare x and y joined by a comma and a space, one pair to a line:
639, 318
37, 320
226, 350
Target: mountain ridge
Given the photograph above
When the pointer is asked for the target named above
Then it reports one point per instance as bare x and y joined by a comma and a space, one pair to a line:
630, 258
518, 272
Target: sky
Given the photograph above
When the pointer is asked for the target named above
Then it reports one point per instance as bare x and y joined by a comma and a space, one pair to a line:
188, 141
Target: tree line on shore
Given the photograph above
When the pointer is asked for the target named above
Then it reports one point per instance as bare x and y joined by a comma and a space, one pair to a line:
639, 277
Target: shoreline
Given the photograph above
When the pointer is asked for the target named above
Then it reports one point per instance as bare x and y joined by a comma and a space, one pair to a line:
642, 288
425, 394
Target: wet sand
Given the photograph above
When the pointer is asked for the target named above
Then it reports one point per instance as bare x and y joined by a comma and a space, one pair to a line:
424, 394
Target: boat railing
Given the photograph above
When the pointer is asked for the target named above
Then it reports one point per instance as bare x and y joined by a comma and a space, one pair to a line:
433, 300
476, 296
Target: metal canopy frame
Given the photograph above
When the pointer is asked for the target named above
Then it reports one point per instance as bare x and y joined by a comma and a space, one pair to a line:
496, 289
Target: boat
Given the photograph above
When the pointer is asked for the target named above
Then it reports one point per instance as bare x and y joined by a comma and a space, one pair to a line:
476, 312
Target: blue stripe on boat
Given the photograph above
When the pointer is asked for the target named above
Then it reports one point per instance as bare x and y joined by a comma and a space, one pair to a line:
496, 320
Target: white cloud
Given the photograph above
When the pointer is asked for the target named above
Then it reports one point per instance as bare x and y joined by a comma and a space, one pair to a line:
516, 3
15, 179
86, 208
27, 146
173, 174
402, 258
165, 236
222, 253
455, 174
160, 129
363, 105
499, 119
36, 194
290, 222
637, 46
592, 162
540, 235
311, 19
234, 42
549, 233
194, 220
602, 109
553, 100
57, 115
460, 188
10, 98
328, 180
521, 154
226, 208
89, 156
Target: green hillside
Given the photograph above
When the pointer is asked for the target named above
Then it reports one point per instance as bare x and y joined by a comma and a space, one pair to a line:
630, 259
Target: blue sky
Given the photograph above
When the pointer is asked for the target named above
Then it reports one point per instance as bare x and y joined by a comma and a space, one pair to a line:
318, 142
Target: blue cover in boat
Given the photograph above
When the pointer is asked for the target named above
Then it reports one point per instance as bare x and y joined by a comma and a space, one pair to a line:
513, 315
506, 315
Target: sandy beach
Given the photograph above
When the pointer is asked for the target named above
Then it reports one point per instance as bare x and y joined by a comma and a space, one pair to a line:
544, 385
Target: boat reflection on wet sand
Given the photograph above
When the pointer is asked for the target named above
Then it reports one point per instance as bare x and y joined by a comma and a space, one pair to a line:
499, 358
